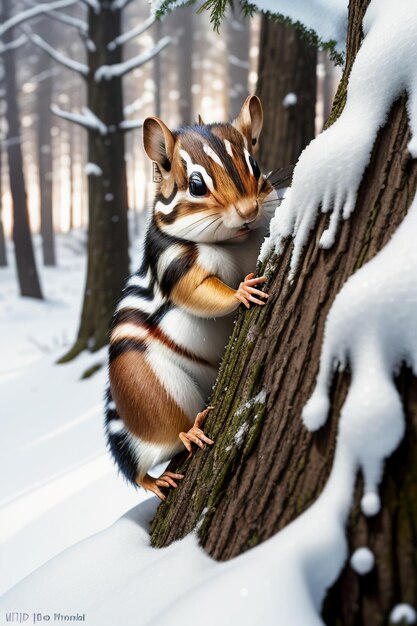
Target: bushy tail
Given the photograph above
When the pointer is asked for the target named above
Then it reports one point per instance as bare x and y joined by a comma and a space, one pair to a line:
118, 441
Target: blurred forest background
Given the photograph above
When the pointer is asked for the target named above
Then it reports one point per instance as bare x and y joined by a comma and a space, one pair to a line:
76, 80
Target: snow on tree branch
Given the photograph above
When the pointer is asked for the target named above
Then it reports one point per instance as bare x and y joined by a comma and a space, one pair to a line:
75, 66
130, 124
23, 16
131, 34
119, 4
329, 171
13, 45
108, 72
93, 4
87, 119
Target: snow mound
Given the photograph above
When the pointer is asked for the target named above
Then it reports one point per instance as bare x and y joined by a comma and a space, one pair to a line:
403, 614
330, 169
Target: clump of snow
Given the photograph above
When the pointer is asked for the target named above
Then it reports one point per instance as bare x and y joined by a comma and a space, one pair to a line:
371, 327
260, 398
362, 561
370, 504
92, 169
290, 100
403, 613
238, 438
328, 173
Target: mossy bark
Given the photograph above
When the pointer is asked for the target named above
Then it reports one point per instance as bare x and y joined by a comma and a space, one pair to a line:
265, 467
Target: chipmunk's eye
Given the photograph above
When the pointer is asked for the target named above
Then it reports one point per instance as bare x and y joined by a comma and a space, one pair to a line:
255, 167
196, 185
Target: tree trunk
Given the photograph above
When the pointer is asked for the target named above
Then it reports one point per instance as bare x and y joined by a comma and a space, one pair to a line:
108, 258
287, 89
238, 51
3, 252
242, 494
44, 100
182, 24
25, 259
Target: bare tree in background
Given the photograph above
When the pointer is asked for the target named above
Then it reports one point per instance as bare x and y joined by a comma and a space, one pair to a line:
287, 89
103, 119
25, 259
43, 102
237, 34
3, 253
181, 21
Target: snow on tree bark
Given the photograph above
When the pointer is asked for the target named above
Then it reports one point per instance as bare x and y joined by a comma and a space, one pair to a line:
243, 490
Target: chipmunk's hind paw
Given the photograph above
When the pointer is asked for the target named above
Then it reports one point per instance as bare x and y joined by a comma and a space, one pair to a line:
167, 479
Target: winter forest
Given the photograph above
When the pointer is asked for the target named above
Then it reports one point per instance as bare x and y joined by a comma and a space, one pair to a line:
207, 301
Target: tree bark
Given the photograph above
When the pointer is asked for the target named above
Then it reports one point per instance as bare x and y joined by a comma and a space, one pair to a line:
25, 259
182, 24
238, 51
44, 100
108, 257
287, 65
242, 494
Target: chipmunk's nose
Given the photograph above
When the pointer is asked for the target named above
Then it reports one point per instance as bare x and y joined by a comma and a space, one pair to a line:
247, 209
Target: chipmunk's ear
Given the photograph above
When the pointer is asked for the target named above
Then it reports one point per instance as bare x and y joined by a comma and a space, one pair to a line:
200, 120
158, 142
249, 122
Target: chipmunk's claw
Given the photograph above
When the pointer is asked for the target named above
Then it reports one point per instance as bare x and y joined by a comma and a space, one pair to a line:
195, 434
167, 479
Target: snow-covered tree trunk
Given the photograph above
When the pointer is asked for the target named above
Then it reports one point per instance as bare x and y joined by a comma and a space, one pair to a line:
108, 260
25, 259
287, 89
266, 468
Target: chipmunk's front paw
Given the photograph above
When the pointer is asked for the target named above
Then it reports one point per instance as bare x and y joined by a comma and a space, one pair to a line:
246, 292
195, 434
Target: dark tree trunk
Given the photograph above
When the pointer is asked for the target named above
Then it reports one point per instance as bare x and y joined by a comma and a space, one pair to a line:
238, 51
25, 259
108, 258
3, 253
157, 69
182, 23
286, 68
44, 100
251, 491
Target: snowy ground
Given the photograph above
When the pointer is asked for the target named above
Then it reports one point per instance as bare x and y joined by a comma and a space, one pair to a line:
58, 483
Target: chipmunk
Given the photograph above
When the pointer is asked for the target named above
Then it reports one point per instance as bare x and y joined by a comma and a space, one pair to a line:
171, 326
